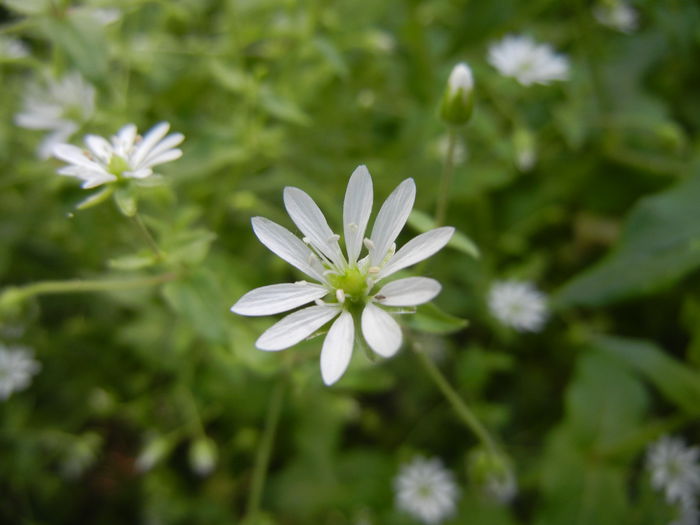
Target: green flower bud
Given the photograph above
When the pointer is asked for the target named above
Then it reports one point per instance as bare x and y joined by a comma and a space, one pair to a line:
458, 101
203, 455
493, 472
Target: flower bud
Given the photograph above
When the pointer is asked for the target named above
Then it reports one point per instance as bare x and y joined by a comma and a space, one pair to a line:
203, 455
494, 473
525, 152
458, 101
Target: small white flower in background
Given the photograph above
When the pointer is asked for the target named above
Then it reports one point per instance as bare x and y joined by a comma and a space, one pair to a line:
126, 156
528, 62
687, 513
675, 470
17, 367
12, 48
59, 107
518, 305
617, 15
348, 284
427, 490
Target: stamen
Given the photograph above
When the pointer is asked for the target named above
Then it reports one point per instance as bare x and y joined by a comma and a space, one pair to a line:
368, 244
306, 240
353, 227
301, 283
319, 302
380, 297
333, 238
340, 295
374, 269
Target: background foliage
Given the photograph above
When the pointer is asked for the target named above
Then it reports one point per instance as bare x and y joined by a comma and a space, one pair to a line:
272, 93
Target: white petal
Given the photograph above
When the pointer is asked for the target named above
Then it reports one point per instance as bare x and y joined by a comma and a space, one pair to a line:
419, 248
276, 298
382, 333
391, 219
163, 157
285, 245
310, 220
73, 155
99, 147
410, 291
151, 138
356, 210
295, 327
337, 348
163, 146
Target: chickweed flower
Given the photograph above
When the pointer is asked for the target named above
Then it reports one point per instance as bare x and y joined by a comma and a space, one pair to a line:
12, 48
529, 63
616, 14
126, 156
347, 286
458, 101
59, 107
426, 490
675, 470
17, 366
518, 305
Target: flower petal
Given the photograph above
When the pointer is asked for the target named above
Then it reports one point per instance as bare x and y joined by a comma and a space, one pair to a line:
295, 327
410, 291
310, 220
74, 155
356, 210
99, 147
382, 333
417, 249
337, 348
391, 219
163, 146
285, 245
151, 138
161, 158
276, 298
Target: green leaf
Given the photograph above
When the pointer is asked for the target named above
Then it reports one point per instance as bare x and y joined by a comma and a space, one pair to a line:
95, 198
197, 298
680, 384
126, 201
82, 39
132, 261
422, 222
659, 245
429, 318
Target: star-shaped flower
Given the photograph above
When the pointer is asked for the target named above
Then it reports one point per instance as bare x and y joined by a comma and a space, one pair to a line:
528, 62
126, 156
347, 287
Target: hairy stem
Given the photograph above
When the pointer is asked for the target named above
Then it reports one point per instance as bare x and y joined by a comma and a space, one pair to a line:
446, 179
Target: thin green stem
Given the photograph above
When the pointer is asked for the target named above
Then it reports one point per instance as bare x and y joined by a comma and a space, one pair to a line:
262, 459
446, 179
457, 403
152, 244
85, 285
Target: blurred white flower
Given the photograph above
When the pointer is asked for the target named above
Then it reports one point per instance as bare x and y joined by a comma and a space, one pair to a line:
12, 48
17, 366
687, 513
203, 455
349, 285
518, 305
426, 490
674, 470
126, 156
59, 107
528, 62
616, 14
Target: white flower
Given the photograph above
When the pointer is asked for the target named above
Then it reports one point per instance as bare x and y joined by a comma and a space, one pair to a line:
12, 48
529, 63
126, 156
59, 107
17, 366
425, 489
616, 14
675, 470
518, 305
687, 513
349, 284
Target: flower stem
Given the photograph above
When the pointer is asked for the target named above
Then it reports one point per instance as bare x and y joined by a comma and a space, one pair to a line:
446, 180
457, 403
152, 244
20, 293
262, 458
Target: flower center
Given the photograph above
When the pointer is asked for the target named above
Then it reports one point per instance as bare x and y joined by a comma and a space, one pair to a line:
352, 281
117, 165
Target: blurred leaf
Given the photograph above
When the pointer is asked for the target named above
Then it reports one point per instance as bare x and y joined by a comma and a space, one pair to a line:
189, 247
678, 383
283, 108
197, 298
95, 198
660, 244
422, 222
429, 318
126, 201
132, 261
83, 40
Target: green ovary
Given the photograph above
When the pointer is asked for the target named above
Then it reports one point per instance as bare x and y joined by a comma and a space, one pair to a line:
353, 282
117, 165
